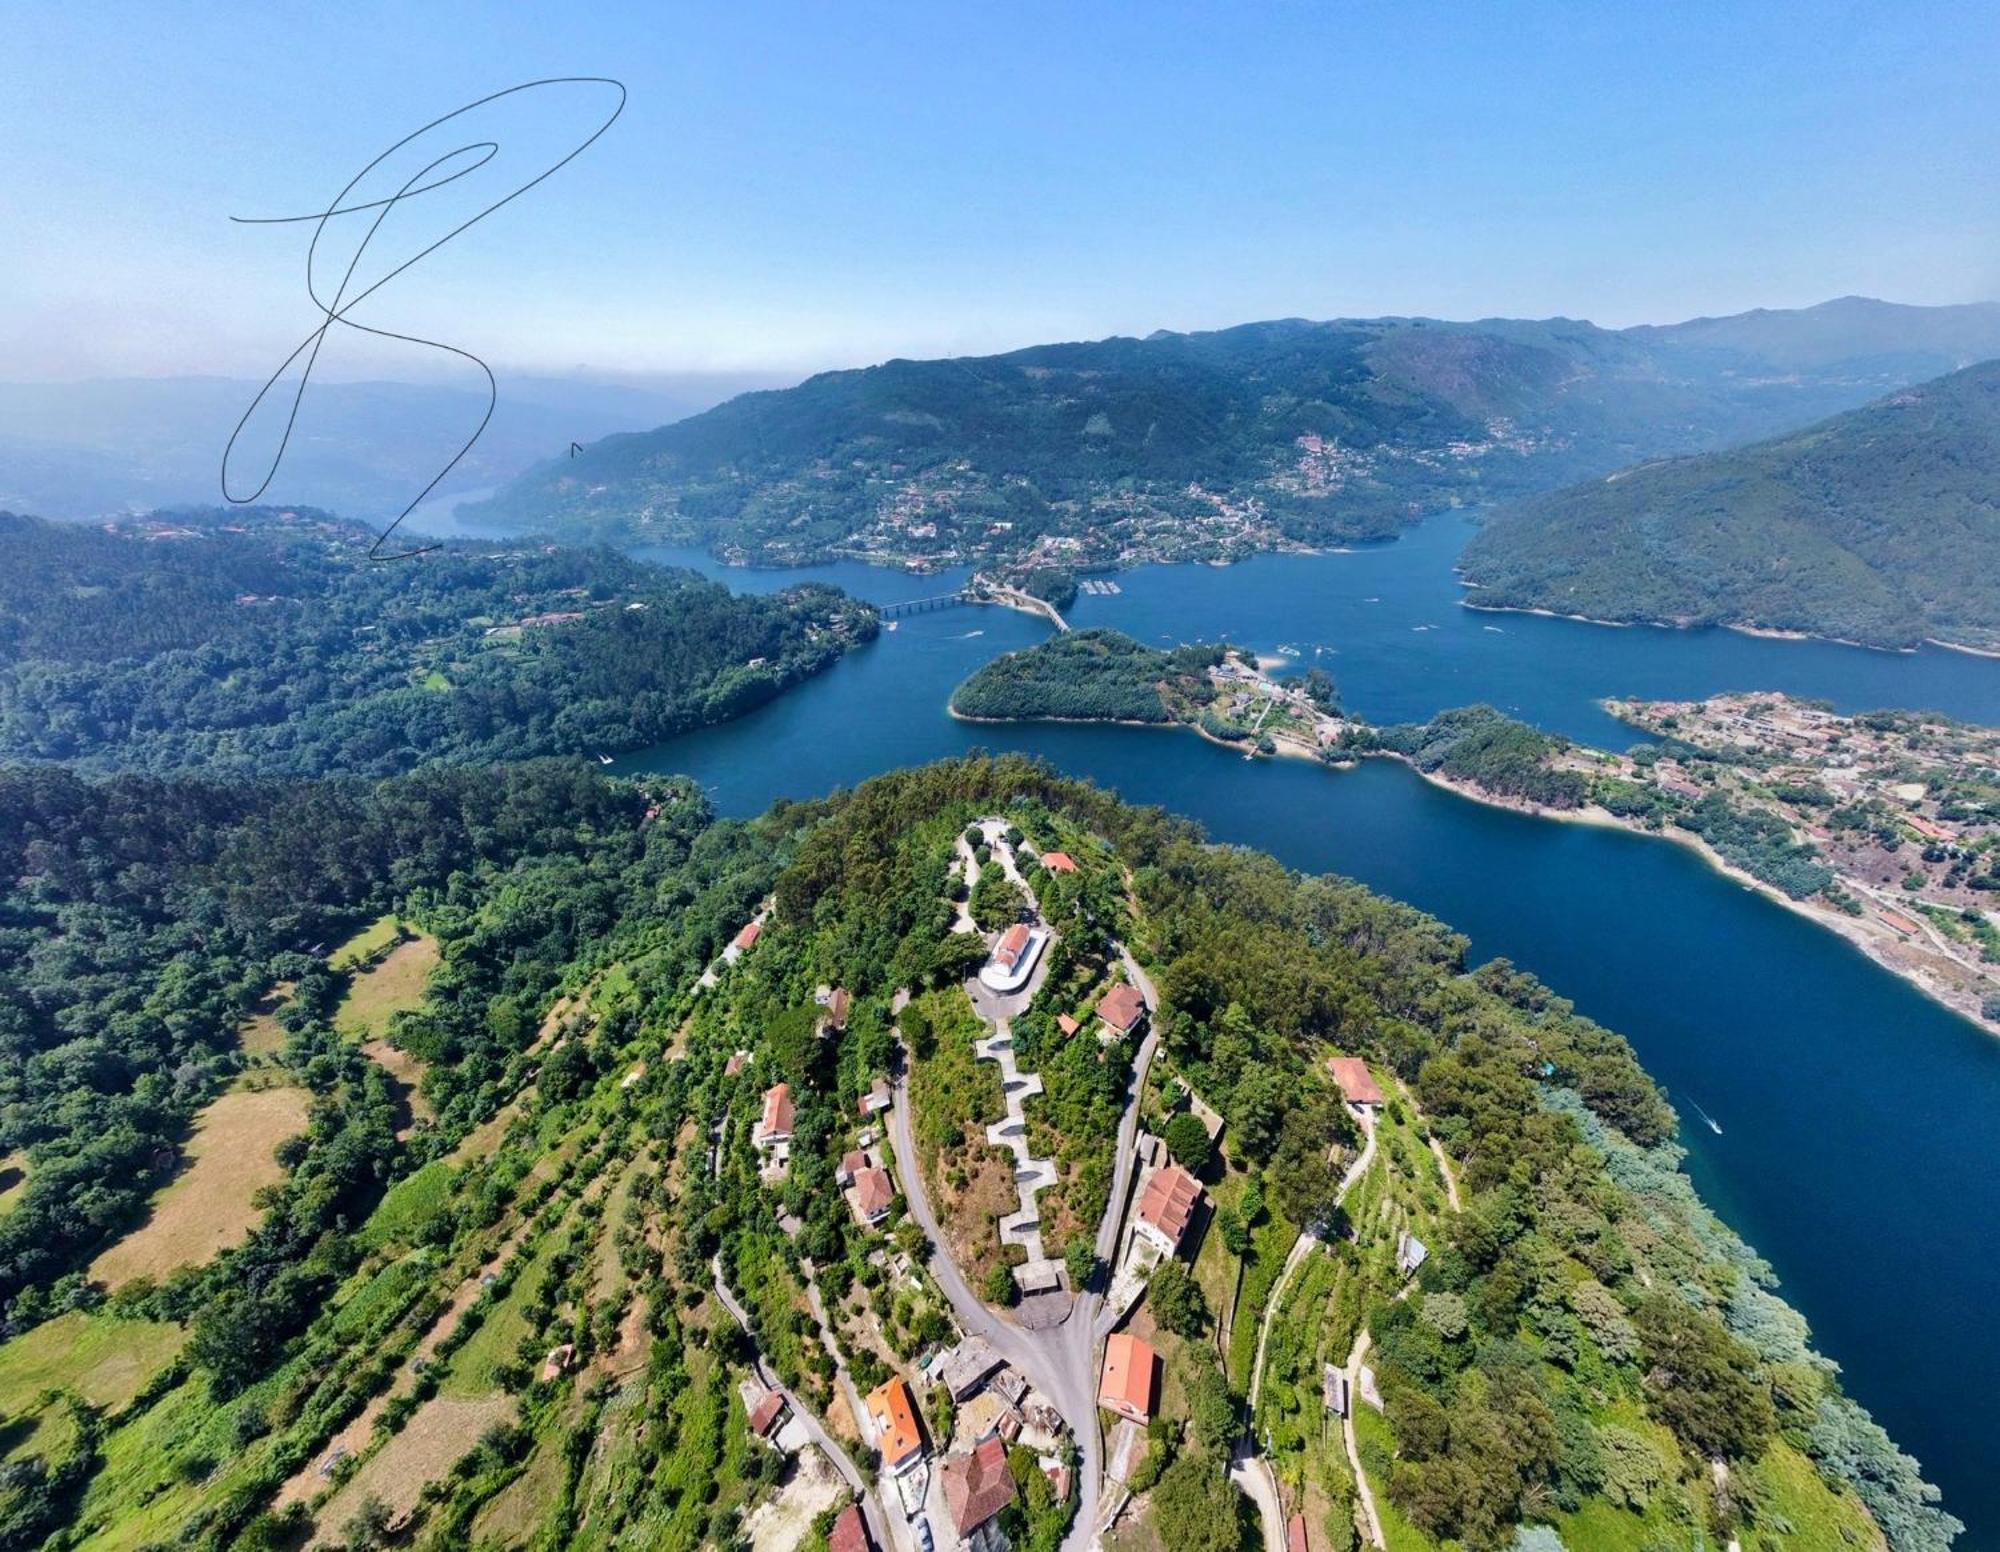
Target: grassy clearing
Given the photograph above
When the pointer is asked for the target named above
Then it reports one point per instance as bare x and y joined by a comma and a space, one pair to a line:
410, 1204
13, 1180
104, 1360
211, 1205
438, 1435
262, 1034
365, 944
1377, 1445
396, 983
1800, 1498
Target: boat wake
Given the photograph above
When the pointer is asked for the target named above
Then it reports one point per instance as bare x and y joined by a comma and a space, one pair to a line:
1714, 1125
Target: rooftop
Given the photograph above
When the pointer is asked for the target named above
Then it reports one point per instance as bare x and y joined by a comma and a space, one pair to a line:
1128, 1375
848, 1533
895, 1421
778, 1112
1351, 1073
873, 1194
1058, 862
978, 1486
1169, 1201
1120, 1007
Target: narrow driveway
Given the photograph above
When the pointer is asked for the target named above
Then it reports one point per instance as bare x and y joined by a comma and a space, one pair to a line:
1252, 1475
871, 1511
1301, 1248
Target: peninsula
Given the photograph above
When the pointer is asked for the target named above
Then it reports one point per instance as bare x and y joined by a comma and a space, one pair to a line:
1881, 826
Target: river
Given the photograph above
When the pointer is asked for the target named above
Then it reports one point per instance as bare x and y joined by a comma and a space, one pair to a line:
1860, 1121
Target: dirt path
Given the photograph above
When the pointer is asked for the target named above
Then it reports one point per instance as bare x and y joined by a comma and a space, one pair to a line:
1362, 1490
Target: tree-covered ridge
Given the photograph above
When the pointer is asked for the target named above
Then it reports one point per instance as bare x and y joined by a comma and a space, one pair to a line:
1486, 749
1182, 445
590, 1172
1094, 675
1881, 525
272, 646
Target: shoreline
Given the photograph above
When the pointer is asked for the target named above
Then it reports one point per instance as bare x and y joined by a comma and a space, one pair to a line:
1762, 632
1865, 934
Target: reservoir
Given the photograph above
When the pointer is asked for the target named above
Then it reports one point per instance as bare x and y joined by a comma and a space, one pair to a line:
1860, 1121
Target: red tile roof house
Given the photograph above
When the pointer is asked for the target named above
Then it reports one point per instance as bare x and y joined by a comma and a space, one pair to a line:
895, 1423
764, 1416
871, 1196
977, 1486
1356, 1086
851, 1164
1167, 1207
1127, 1386
742, 941
849, 1532
1121, 1008
1295, 1535
775, 1125
1058, 862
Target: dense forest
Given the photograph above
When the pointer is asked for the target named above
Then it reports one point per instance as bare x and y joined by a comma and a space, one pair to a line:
1285, 430
1091, 675
562, 1197
267, 644
1881, 525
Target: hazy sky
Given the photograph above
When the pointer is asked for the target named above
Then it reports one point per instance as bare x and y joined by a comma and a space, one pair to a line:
796, 186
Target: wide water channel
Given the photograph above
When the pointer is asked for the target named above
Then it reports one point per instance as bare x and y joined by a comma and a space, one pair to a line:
1860, 1122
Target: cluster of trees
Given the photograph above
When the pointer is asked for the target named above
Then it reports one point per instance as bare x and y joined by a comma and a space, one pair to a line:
1090, 675
270, 645
1482, 746
1881, 525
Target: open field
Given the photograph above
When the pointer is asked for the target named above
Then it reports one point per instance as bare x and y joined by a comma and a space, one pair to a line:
438, 1435
104, 1360
210, 1206
397, 982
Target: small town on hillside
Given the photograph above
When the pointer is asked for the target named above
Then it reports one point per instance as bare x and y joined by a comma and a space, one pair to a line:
1028, 1409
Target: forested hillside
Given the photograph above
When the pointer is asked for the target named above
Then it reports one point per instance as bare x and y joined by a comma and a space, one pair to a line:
1214, 444
269, 644
1090, 675
1881, 526
498, 1323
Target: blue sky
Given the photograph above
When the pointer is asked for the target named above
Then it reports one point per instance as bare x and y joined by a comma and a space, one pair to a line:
798, 186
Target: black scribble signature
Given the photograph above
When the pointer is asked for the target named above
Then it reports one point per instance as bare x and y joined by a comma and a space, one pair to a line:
440, 170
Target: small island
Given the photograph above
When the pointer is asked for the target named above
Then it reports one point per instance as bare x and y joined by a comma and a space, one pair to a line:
1882, 826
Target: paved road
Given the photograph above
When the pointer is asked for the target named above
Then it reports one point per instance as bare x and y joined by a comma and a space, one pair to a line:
871, 1510
1252, 1475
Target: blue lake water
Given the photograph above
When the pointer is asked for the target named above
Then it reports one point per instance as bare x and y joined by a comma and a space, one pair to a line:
1860, 1121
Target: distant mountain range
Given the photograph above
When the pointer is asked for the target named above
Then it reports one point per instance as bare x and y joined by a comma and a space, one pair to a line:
1186, 446
1881, 525
112, 446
